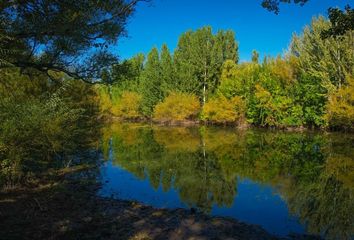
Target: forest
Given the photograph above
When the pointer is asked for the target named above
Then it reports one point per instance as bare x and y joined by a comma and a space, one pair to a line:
311, 85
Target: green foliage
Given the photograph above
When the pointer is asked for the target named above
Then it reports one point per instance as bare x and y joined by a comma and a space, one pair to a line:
128, 106
199, 57
273, 5
330, 59
177, 106
42, 124
340, 108
223, 110
168, 75
341, 21
150, 86
104, 100
288, 91
238, 80
63, 31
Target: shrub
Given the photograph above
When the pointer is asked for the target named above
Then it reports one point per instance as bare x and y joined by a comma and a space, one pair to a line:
223, 110
340, 107
177, 106
38, 132
128, 106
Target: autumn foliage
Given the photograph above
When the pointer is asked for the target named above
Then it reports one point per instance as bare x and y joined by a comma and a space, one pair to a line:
223, 110
340, 107
178, 107
128, 106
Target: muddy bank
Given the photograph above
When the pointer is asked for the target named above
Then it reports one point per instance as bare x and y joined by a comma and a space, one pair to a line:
72, 210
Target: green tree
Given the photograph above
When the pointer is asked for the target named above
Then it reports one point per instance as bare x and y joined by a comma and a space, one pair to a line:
273, 5
199, 57
167, 71
329, 59
62, 36
151, 84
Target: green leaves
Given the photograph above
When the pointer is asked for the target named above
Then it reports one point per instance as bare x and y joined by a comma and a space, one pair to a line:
65, 36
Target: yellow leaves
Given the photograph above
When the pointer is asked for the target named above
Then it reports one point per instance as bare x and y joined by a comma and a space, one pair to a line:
229, 70
177, 106
128, 106
262, 94
105, 102
283, 70
223, 110
177, 139
340, 107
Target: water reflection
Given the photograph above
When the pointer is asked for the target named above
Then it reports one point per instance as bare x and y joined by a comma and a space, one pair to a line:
313, 173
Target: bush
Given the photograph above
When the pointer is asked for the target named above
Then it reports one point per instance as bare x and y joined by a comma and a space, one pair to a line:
223, 110
340, 108
45, 129
128, 106
178, 107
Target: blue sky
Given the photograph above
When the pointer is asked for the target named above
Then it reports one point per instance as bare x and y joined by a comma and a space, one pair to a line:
162, 21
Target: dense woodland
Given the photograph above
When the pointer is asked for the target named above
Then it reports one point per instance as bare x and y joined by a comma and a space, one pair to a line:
311, 85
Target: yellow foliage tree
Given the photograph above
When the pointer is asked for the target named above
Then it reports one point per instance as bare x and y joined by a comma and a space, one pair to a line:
128, 106
177, 107
223, 110
105, 103
340, 107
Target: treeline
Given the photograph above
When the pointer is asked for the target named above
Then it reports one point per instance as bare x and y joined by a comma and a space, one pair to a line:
312, 85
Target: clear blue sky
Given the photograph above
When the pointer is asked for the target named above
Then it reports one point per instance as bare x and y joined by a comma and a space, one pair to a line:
162, 21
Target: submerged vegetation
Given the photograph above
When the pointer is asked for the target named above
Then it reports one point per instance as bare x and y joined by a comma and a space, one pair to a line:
299, 89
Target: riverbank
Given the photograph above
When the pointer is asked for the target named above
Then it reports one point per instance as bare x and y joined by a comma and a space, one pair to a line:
71, 209
187, 123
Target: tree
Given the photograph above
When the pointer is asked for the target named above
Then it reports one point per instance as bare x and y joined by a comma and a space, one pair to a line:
255, 57
341, 22
273, 5
199, 57
62, 36
150, 83
330, 59
167, 71
125, 75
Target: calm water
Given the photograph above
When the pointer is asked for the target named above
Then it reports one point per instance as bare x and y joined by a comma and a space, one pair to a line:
285, 182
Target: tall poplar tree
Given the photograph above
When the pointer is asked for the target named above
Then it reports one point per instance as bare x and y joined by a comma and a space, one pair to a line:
199, 57
150, 83
167, 71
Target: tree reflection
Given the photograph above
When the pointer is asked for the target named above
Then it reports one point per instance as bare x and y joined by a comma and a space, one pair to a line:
314, 173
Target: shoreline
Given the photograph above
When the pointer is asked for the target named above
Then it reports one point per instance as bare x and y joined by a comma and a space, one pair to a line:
189, 123
73, 210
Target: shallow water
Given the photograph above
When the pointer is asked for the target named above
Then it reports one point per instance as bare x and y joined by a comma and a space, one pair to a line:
284, 182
